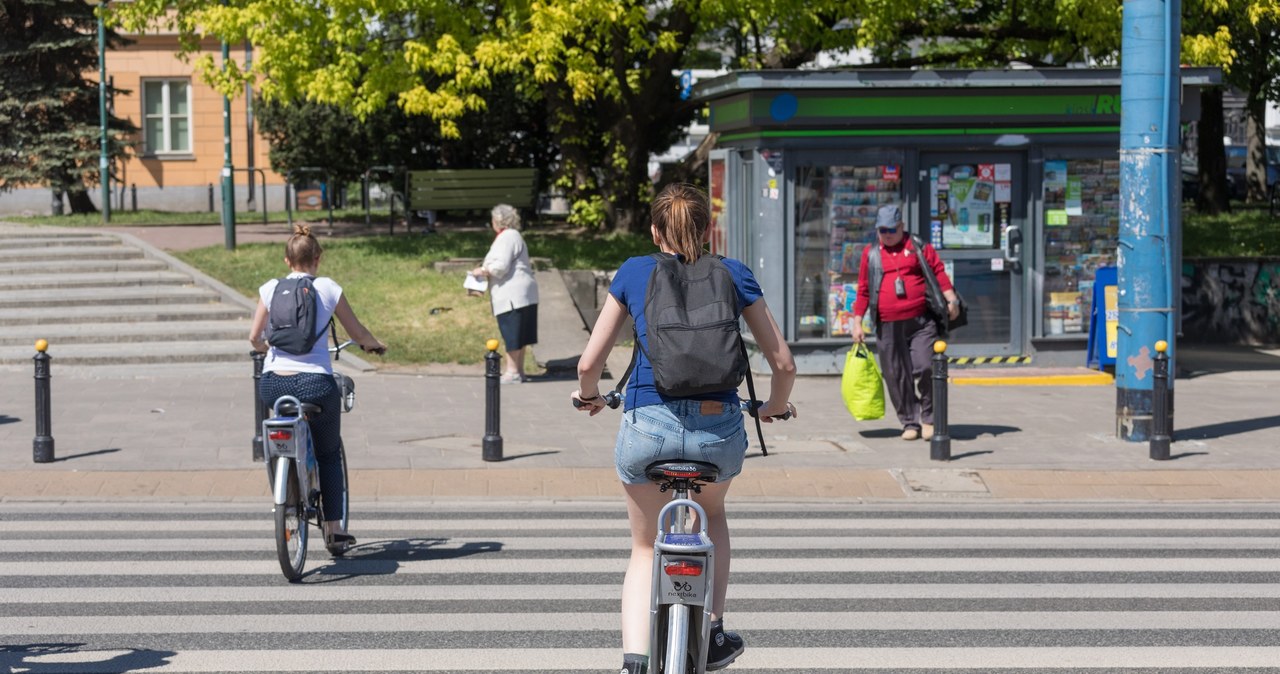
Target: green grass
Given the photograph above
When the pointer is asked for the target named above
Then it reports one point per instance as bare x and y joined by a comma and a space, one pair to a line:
1247, 231
393, 286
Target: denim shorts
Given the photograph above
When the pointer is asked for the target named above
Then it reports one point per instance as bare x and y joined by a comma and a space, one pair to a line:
679, 429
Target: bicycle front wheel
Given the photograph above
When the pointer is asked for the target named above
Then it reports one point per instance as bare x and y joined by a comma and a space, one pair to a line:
291, 529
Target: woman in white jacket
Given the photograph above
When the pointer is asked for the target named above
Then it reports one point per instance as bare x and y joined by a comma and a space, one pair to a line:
512, 289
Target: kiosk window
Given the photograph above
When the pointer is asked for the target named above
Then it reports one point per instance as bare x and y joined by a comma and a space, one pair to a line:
835, 218
1081, 229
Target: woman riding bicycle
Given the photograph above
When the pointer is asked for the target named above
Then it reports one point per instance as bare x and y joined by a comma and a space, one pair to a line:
309, 376
657, 427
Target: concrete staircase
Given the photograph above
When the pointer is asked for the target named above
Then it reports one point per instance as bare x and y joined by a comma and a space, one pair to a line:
101, 300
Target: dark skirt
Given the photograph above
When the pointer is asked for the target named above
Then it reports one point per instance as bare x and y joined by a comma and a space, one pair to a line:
519, 327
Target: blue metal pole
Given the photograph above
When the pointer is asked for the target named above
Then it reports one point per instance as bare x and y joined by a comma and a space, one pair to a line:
1150, 85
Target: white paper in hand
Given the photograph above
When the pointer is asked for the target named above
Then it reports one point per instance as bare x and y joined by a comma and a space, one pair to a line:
472, 282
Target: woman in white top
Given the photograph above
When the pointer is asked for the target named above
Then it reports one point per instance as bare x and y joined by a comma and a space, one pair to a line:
512, 289
309, 377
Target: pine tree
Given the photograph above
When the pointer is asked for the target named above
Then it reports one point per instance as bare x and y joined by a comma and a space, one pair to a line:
50, 132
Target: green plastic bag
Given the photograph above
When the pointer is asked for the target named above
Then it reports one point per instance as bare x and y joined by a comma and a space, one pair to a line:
861, 385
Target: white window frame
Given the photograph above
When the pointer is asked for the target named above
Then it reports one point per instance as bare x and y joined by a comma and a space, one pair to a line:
166, 117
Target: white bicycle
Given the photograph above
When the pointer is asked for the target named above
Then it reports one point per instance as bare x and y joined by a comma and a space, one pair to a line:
293, 473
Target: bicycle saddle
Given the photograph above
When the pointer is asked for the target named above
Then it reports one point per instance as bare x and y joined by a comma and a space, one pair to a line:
291, 410
701, 471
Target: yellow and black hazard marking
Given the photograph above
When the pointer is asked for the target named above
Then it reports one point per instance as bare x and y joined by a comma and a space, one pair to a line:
989, 360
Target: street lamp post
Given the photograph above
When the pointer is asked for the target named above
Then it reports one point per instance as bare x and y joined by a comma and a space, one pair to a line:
228, 182
104, 174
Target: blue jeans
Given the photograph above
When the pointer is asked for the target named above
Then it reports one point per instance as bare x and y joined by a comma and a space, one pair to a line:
680, 430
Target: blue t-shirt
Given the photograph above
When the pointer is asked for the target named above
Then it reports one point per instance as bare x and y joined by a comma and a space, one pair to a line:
630, 284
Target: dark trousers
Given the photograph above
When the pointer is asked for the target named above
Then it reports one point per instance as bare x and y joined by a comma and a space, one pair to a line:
906, 354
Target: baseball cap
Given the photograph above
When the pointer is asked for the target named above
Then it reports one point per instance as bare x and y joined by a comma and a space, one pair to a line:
889, 216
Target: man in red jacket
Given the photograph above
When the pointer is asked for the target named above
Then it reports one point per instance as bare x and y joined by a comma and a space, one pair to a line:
905, 332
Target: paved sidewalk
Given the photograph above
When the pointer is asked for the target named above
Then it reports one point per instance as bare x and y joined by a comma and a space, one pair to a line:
183, 432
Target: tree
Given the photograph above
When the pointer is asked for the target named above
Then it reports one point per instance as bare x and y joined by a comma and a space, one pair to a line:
303, 133
49, 119
602, 70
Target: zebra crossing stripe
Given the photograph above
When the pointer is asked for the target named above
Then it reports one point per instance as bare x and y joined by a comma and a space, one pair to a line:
36, 626
424, 593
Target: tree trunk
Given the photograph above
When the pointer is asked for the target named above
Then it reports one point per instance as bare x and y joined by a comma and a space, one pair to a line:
1255, 168
1212, 196
79, 199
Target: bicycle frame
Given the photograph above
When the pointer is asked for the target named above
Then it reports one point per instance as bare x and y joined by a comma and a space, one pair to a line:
683, 579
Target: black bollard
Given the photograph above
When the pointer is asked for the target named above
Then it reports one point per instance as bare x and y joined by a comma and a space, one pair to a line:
42, 446
940, 443
491, 446
1161, 433
259, 410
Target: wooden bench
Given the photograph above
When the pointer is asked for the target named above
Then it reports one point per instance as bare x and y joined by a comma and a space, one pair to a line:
472, 189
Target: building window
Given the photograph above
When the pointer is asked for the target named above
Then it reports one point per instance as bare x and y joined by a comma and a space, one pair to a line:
1081, 234
166, 116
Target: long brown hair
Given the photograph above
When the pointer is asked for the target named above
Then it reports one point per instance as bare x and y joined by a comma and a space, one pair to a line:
682, 216
302, 249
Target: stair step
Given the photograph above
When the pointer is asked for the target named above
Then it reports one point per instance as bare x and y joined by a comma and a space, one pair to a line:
84, 266
93, 280
83, 240
222, 351
79, 297
69, 253
60, 334
124, 313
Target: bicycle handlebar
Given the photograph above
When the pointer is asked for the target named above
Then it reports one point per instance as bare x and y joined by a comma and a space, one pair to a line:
612, 399
349, 342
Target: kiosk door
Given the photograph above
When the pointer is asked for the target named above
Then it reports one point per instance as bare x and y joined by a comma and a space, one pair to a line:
973, 209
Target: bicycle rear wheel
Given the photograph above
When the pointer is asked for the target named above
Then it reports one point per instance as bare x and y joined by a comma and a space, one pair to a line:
291, 529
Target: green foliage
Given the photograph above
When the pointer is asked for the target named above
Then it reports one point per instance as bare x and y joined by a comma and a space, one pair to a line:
1248, 231
50, 132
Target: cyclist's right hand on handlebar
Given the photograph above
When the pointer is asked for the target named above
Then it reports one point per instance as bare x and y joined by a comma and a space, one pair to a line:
591, 406
771, 411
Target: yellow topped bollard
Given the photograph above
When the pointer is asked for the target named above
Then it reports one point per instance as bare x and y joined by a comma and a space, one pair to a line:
491, 444
42, 445
940, 443
1161, 397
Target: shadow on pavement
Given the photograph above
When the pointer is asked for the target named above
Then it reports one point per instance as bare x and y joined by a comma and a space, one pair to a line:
60, 658
383, 558
6, 419
1197, 360
528, 454
1226, 428
81, 455
975, 431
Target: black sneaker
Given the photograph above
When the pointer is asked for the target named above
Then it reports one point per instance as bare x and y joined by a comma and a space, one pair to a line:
633, 668
725, 647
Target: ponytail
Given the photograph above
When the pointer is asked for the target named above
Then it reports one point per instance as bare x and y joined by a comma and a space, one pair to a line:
682, 216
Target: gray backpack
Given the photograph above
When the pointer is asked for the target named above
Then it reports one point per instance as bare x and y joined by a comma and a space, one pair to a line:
695, 340
291, 319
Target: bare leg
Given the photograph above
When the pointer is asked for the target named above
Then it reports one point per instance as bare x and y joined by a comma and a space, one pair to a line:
643, 503
712, 500
515, 360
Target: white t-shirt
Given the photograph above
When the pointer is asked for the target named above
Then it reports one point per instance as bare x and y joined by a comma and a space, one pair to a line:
327, 295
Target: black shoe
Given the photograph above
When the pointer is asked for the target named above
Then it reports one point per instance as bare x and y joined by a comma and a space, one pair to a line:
633, 668
725, 647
